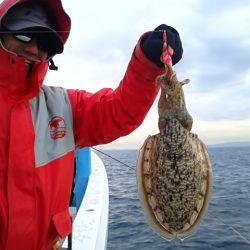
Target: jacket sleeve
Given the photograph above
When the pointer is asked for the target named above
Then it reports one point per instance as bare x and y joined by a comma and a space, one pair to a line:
109, 114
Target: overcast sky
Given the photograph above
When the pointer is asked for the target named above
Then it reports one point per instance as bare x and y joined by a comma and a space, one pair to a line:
216, 41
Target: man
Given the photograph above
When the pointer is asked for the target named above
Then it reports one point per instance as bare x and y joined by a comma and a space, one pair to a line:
41, 126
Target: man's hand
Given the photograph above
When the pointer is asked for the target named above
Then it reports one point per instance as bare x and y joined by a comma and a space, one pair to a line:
152, 45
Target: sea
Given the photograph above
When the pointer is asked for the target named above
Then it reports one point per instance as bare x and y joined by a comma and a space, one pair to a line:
226, 224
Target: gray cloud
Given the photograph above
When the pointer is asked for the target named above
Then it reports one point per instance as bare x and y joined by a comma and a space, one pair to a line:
102, 46
215, 37
214, 6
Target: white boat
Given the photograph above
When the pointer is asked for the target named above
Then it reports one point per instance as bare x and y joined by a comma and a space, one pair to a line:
90, 226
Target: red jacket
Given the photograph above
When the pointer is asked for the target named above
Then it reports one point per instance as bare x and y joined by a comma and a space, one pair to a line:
41, 126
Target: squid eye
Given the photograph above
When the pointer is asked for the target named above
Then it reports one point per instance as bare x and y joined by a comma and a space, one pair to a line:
23, 38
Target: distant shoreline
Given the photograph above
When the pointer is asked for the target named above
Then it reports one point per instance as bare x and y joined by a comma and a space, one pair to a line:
218, 145
230, 144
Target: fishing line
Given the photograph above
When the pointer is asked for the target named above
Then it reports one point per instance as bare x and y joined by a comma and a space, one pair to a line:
133, 168
45, 31
34, 31
232, 228
218, 197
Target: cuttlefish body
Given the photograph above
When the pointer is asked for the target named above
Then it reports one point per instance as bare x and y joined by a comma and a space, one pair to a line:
174, 173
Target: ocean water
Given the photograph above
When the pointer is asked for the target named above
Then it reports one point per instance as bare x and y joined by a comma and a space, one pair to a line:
226, 224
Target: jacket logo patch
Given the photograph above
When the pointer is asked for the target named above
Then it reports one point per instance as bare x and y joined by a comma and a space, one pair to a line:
57, 128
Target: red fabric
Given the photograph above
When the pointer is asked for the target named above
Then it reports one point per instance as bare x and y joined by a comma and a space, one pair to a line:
34, 201
62, 222
108, 114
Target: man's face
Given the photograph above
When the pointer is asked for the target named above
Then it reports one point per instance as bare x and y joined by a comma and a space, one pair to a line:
28, 50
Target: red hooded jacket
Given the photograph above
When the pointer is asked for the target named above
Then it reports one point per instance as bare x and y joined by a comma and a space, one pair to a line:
41, 126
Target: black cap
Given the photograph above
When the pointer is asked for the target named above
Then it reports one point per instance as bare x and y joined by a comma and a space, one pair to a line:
31, 17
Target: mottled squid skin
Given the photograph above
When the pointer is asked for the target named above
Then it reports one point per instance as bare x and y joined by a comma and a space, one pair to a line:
173, 171
172, 102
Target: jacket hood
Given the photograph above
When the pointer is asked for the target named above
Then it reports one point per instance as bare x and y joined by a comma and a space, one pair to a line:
62, 20
13, 81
